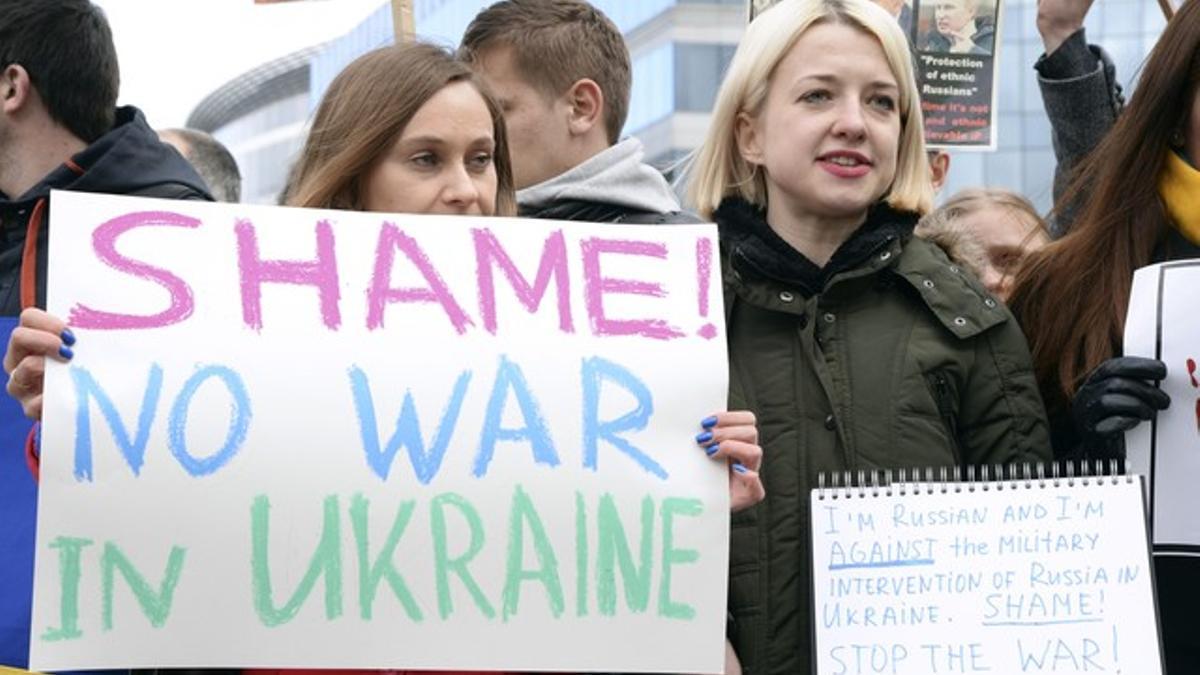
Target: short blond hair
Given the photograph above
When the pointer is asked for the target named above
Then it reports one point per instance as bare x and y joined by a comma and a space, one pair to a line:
557, 43
718, 170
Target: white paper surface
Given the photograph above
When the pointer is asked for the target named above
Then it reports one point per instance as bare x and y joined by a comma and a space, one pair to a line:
1014, 577
508, 545
1162, 323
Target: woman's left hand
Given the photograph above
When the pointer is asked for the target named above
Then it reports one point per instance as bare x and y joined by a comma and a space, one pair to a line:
733, 437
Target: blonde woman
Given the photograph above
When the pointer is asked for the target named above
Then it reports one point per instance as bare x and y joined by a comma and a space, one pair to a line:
857, 346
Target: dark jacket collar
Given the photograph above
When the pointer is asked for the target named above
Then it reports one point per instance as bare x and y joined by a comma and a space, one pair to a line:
127, 160
756, 249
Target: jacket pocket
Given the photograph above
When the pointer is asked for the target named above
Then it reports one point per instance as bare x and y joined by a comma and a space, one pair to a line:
946, 399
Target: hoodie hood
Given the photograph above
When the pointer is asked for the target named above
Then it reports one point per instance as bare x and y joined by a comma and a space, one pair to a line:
127, 160
615, 176
756, 248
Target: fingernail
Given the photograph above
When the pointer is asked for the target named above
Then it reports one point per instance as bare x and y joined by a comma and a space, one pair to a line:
709, 422
65, 352
67, 336
738, 467
712, 449
704, 437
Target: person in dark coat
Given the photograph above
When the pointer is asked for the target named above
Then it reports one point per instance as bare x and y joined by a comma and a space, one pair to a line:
858, 347
60, 129
1136, 205
1080, 93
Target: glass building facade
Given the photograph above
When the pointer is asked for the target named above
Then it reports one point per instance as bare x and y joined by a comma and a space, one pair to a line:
261, 116
680, 50
267, 139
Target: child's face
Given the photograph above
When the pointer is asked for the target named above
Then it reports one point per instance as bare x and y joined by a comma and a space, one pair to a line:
1005, 237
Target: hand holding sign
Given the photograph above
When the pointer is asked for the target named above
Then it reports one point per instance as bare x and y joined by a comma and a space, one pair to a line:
734, 435
39, 335
1117, 396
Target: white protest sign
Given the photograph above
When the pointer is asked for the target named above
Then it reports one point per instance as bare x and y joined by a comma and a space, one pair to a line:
1034, 576
299, 438
1162, 324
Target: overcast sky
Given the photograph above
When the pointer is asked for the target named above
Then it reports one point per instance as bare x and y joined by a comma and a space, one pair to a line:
173, 53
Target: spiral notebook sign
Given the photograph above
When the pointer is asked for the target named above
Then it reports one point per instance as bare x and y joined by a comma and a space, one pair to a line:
1023, 576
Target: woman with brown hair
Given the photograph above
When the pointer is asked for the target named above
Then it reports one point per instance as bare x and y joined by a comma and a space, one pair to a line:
1072, 295
406, 129
1137, 206
403, 129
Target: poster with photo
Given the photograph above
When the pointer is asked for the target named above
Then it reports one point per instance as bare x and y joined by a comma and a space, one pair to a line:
955, 42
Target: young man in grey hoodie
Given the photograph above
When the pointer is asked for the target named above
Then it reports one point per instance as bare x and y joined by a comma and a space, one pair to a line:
560, 69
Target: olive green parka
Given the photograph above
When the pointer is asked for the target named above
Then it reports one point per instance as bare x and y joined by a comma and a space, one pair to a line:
889, 357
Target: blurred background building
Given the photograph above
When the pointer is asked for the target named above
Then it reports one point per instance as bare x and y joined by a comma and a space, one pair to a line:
261, 116
680, 49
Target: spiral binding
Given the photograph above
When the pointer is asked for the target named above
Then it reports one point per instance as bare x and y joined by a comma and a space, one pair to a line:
956, 479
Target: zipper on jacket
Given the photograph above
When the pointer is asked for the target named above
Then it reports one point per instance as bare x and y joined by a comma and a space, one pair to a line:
945, 404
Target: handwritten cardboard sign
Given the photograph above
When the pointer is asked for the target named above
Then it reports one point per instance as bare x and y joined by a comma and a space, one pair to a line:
1162, 324
299, 438
1012, 577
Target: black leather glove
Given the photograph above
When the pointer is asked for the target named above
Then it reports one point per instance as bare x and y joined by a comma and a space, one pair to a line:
1115, 397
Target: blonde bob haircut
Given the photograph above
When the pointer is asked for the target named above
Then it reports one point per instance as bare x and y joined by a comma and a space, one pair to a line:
718, 169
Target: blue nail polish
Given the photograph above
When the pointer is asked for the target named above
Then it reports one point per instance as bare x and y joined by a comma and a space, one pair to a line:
67, 336
65, 352
704, 437
738, 467
712, 449
709, 422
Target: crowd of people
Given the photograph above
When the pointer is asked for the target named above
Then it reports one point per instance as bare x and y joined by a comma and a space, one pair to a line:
866, 330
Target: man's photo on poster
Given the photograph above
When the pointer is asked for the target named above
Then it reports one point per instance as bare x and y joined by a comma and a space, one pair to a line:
957, 27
